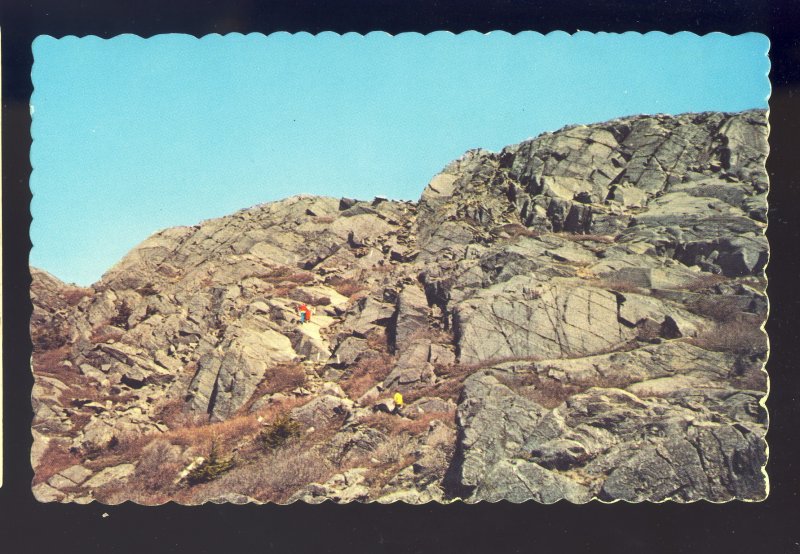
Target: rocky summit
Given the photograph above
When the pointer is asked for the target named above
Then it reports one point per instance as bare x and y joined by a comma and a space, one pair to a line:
578, 316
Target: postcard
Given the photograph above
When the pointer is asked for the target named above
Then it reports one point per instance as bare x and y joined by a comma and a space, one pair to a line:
416, 268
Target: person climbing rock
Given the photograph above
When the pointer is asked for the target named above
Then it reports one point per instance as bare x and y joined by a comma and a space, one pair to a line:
398, 403
305, 313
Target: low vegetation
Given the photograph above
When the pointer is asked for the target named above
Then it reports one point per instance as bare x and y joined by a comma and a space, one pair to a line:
211, 468
279, 432
159, 464
392, 425
73, 296
585, 237
57, 457
286, 273
732, 331
344, 286
517, 230
105, 333
551, 393
369, 370
391, 456
49, 360
283, 377
742, 336
48, 337
274, 477
703, 282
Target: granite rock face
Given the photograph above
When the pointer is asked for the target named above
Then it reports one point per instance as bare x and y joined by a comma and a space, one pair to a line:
576, 316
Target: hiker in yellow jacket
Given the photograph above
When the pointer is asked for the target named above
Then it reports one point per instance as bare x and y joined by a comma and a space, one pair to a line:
398, 402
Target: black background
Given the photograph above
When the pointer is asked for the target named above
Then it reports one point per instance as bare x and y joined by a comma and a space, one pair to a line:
769, 526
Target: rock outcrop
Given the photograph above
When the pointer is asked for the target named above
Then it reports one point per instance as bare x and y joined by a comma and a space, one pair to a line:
577, 316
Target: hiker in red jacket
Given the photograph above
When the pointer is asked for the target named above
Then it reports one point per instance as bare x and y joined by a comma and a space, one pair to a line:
305, 313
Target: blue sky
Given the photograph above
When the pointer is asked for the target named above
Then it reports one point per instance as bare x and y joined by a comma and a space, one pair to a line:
135, 135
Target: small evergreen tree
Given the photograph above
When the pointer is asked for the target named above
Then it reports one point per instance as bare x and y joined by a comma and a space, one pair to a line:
211, 468
279, 432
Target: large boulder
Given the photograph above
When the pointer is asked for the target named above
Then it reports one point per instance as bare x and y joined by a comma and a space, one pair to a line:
223, 383
501, 323
323, 410
491, 463
626, 447
410, 318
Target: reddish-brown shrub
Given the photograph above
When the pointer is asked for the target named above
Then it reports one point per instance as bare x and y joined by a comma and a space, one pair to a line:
517, 230
393, 455
50, 360
462, 370
742, 335
105, 333
286, 273
394, 425
274, 410
281, 378
395, 448
344, 286
275, 273
433, 334
450, 382
73, 296
159, 464
175, 414
758, 282
48, 335
578, 237
366, 373
225, 432
447, 389
377, 340
701, 282
283, 473
752, 377
282, 291
57, 457
127, 448
550, 393
83, 390
198, 432
720, 308
300, 277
